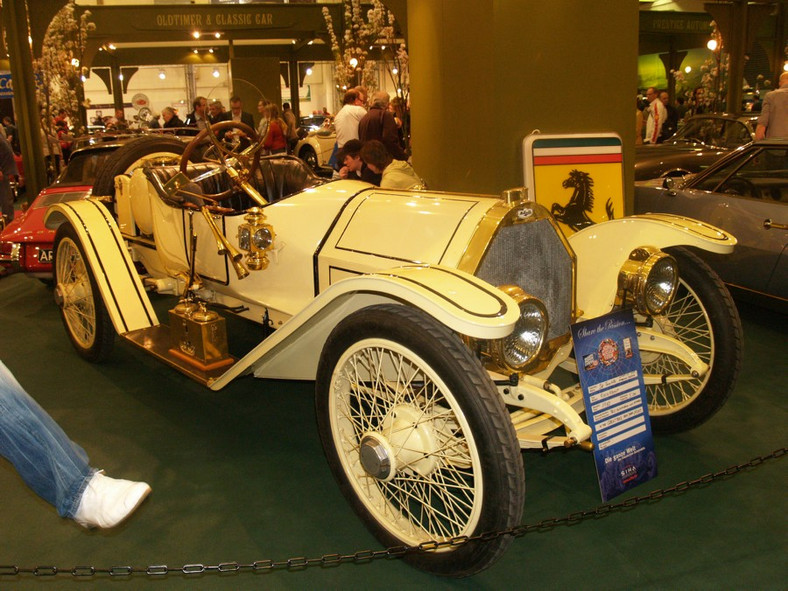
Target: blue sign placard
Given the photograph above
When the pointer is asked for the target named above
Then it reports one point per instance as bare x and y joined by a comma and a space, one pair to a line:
611, 375
6, 86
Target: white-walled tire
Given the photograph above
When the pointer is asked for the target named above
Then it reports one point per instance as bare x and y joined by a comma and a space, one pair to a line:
418, 437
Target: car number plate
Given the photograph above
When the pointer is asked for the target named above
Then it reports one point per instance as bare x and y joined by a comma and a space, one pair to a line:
45, 255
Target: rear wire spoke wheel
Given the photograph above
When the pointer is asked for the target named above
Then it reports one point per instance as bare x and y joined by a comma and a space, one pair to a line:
418, 437
82, 309
704, 317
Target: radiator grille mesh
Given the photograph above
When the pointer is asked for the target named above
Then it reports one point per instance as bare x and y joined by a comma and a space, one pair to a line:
532, 256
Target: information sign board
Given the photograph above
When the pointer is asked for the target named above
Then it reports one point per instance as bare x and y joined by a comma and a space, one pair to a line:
611, 375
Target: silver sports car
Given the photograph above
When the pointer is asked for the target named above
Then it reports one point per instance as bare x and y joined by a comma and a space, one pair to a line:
745, 193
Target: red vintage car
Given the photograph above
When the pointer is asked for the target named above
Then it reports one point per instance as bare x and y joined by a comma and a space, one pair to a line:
25, 243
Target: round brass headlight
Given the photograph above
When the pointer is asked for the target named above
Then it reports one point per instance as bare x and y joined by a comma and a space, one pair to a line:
648, 280
520, 348
262, 238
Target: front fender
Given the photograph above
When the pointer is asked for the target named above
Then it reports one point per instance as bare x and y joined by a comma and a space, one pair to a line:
602, 248
459, 300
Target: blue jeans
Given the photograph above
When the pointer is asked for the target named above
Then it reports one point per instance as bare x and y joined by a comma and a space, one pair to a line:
47, 460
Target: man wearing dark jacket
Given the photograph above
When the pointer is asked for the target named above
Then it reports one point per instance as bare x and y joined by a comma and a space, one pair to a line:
379, 124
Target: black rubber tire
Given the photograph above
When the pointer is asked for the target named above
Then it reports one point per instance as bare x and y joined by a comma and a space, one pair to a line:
124, 159
707, 308
307, 154
469, 393
97, 345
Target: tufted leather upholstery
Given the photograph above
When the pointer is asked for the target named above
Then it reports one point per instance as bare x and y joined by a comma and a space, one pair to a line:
277, 177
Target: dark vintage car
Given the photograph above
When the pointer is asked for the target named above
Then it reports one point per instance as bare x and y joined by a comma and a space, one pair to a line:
698, 144
26, 243
745, 193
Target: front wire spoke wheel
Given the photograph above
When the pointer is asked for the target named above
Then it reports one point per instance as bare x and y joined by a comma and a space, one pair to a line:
418, 438
703, 317
431, 497
688, 321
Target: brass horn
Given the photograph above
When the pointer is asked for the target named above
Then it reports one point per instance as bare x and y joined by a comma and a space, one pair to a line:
223, 245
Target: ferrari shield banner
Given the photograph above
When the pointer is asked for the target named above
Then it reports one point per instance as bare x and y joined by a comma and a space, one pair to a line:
611, 375
579, 178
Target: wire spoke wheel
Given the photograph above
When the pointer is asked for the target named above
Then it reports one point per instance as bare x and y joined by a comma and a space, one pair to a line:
418, 437
687, 320
81, 306
403, 439
78, 309
704, 318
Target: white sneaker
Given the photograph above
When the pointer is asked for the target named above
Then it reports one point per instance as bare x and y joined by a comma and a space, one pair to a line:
108, 501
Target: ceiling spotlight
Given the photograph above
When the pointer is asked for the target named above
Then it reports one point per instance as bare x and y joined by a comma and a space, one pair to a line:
309, 71
196, 34
216, 72
120, 77
195, 51
210, 50
112, 47
162, 75
217, 35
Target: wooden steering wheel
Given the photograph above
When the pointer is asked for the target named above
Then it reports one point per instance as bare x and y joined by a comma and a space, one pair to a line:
242, 157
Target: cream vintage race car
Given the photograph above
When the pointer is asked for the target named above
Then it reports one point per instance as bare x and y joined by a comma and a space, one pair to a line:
435, 325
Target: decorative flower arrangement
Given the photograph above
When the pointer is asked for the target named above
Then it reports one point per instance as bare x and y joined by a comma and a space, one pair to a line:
351, 53
59, 69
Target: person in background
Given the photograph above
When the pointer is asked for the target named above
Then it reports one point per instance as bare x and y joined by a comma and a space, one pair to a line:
681, 107
12, 134
275, 141
262, 125
8, 170
216, 112
55, 467
379, 124
352, 166
154, 123
655, 116
395, 174
292, 127
65, 138
170, 118
348, 118
199, 116
697, 104
638, 122
773, 121
671, 120
238, 114
120, 123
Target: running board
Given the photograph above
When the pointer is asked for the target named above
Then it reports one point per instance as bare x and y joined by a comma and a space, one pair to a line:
157, 341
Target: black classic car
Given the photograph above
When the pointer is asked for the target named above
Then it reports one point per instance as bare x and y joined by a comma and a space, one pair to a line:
698, 144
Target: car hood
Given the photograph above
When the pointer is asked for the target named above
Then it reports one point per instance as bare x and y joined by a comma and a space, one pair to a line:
654, 161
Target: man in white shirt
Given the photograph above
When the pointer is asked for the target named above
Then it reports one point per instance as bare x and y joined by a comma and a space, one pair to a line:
657, 115
347, 119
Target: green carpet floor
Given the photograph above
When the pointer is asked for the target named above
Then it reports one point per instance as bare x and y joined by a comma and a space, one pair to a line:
240, 476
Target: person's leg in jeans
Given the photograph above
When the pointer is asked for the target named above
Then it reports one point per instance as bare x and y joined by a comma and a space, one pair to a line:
55, 467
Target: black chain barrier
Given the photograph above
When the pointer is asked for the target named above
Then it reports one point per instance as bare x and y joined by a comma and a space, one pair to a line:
363, 556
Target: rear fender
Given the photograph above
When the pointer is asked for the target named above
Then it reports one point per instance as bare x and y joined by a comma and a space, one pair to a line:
462, 302
124, 296
602, 248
